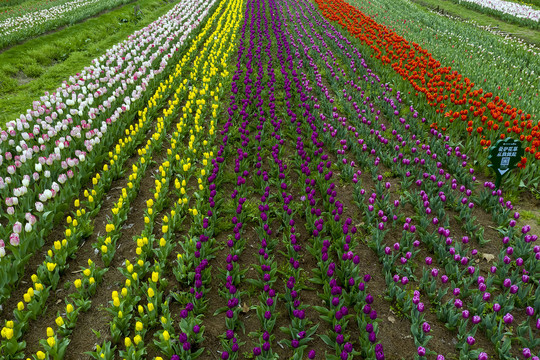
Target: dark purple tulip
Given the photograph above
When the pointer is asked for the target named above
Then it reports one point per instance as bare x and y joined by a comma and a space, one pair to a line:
508, 318
421, 351
257, 351
361, 286
369, 328
311, 354
426, 328
224, 355
182, 337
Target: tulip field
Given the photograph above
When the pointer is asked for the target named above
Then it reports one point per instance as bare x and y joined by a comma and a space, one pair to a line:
276, 179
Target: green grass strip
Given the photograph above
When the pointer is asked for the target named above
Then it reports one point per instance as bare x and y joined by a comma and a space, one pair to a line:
41, 64
529, 35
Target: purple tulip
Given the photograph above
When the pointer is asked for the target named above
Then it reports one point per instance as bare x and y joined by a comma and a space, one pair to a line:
508, 318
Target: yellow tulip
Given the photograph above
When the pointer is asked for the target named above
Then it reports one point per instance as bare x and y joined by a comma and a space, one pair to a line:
7, 333
59, 321
166, 335
50, 332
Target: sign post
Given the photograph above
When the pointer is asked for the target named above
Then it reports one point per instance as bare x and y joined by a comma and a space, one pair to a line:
504, 156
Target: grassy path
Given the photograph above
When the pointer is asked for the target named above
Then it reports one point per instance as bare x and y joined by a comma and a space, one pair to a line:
42, 63
522, 32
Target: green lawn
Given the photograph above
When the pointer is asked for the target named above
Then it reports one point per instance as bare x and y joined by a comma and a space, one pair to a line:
42, 63
529, 35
